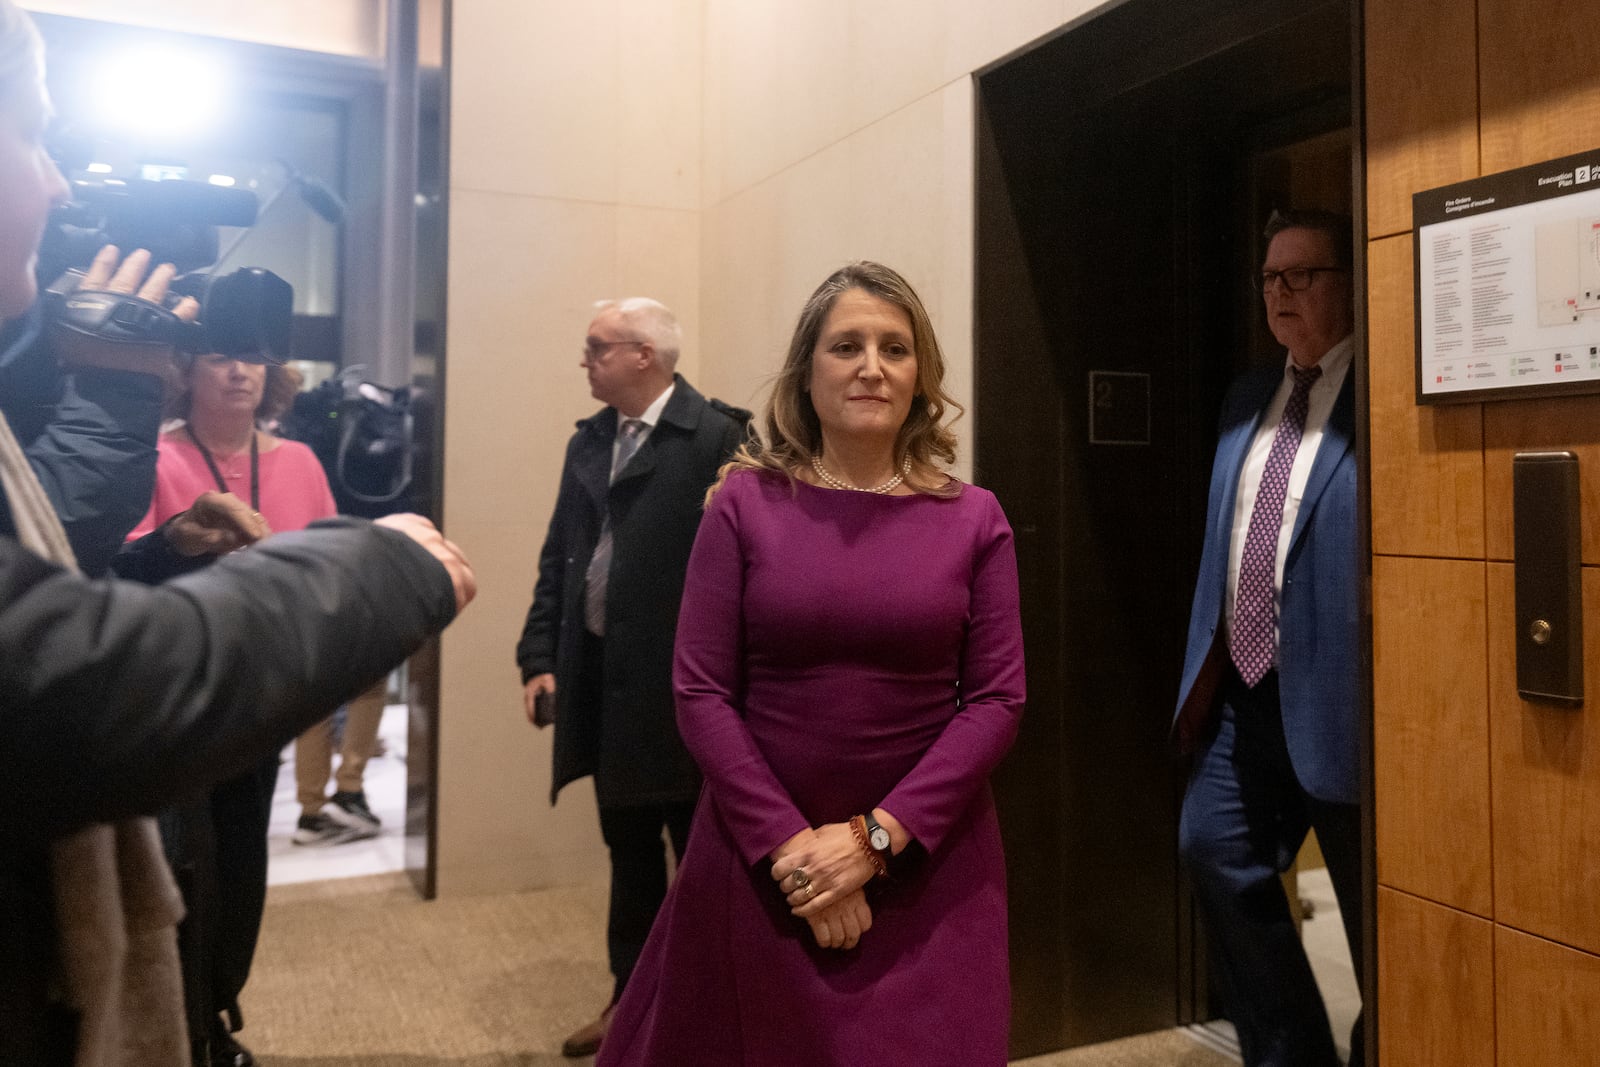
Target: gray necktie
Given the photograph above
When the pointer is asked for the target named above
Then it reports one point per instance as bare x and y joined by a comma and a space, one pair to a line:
599, 572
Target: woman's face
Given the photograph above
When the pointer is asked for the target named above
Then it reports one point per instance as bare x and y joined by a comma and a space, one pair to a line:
30, 185
864, 368
222, 385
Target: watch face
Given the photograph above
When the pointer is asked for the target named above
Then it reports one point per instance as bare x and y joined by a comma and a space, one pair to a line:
880, 839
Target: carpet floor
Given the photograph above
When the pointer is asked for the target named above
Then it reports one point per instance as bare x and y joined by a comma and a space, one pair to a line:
360, 972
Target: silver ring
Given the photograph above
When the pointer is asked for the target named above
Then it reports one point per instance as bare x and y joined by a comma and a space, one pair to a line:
801, 878
810, 889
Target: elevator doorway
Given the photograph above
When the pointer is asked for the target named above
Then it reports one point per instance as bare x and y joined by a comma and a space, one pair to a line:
1124, 171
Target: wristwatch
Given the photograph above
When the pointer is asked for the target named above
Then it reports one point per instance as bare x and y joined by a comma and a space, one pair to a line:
877, 837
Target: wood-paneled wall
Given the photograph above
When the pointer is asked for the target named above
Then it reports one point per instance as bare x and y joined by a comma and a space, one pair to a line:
1431, 731
1545, 762
1432, 955
1488, 806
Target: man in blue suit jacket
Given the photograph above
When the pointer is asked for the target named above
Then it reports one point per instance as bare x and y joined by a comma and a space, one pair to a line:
1268, 701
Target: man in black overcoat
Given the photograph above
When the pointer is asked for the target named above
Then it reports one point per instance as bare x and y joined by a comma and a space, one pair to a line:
598, 640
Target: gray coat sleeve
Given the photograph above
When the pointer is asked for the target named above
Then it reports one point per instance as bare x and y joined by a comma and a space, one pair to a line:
118, 699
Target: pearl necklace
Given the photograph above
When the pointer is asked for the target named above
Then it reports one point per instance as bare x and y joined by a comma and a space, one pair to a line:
887, 487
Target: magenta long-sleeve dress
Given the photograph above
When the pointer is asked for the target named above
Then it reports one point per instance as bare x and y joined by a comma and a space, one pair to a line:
836, 652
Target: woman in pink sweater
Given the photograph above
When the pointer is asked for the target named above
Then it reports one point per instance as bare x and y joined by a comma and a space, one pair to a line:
221, 843
221, 446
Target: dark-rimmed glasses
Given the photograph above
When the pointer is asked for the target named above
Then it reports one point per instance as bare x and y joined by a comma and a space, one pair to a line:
1294, 279
595, 351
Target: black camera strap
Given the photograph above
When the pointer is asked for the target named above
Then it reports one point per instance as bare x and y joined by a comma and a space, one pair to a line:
216, 472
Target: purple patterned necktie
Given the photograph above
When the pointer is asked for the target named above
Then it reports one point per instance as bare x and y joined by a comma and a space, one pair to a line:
1252, 642
594, 590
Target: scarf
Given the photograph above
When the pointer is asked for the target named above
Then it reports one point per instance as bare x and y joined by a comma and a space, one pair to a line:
116, 904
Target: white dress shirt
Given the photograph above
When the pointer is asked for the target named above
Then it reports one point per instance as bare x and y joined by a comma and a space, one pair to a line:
1335, 365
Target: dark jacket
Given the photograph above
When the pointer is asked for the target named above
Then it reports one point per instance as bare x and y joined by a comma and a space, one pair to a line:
89, 435
118, 699
628, 738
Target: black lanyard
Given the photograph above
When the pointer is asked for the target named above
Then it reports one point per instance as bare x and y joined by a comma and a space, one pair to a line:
216, 472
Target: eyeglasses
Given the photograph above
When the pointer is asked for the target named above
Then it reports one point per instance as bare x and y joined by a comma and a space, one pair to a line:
595, 351
1295, 279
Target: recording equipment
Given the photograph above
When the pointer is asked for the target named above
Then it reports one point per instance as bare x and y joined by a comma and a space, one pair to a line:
248, 314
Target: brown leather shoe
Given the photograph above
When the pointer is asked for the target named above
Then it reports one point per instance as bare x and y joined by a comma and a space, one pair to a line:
585, 1041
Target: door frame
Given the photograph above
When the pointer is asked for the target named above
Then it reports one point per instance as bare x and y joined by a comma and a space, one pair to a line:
1138, 59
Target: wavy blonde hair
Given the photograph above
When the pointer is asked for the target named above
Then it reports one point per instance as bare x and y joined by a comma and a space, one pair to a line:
792, 433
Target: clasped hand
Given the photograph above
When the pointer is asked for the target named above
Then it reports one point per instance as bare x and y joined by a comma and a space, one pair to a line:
821, 873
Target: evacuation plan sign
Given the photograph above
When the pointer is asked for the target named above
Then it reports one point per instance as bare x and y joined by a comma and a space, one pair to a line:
1508, 284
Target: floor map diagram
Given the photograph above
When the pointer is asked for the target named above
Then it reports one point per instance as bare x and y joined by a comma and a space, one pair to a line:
1568, 268
1508, 283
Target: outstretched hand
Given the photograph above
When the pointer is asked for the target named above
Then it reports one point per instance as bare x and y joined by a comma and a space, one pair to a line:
426, 534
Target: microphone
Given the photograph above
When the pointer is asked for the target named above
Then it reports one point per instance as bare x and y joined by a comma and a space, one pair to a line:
321, 199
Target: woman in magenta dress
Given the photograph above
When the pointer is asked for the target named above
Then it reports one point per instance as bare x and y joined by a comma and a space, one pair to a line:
848, 673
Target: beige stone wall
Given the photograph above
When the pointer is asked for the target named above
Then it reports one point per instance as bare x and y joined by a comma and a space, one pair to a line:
342, 27
843, 130
575, 176
720, 155
723, 156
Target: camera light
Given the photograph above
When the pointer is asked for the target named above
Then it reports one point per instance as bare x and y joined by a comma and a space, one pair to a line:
163, 172
224, 180
98, 168
160, 92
